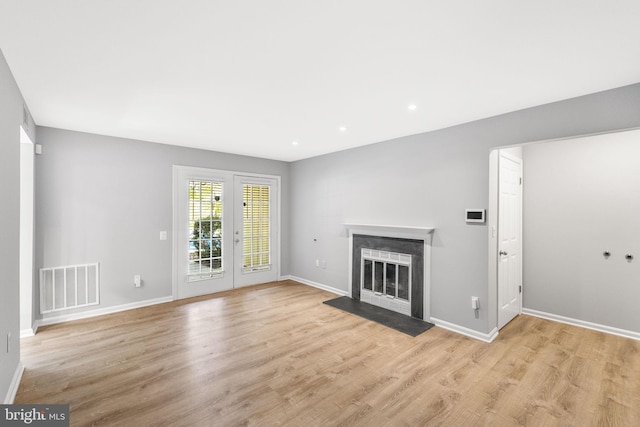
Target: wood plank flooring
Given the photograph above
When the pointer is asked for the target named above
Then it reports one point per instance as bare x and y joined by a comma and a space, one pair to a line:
275, 355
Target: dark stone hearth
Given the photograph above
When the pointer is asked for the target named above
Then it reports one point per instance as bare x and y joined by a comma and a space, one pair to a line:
392, 244
388, 318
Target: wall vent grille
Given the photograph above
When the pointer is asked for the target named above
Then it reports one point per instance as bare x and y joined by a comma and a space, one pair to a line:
67, 287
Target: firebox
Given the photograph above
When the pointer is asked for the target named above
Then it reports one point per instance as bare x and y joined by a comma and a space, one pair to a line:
385, 280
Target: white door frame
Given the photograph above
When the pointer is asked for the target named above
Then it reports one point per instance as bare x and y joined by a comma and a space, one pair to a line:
178, 170
27, 219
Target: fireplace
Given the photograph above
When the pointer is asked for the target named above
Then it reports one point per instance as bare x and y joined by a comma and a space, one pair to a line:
390, 267
385, 279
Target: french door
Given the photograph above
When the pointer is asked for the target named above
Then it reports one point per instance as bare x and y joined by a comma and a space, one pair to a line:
226, 230
255, 234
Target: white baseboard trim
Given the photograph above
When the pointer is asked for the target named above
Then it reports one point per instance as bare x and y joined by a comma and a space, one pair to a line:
101, 311
24, 333
15, 383
318, 285
466, 331
583, 324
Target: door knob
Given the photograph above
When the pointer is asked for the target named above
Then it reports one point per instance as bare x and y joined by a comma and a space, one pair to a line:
503, 252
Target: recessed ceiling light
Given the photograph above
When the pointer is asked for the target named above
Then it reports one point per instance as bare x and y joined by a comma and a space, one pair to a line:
412, 107
294, 143
342, 128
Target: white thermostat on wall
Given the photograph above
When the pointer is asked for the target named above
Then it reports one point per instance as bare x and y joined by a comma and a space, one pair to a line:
475, 215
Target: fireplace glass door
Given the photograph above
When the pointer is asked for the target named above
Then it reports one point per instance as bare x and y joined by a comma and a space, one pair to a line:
386, 280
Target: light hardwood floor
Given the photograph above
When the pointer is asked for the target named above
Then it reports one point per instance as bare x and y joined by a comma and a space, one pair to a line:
275, 355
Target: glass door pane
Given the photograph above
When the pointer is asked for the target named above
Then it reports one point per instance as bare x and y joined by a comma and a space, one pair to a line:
367, 278
205, 230
378, 277
391, 279
403, 282
256, 243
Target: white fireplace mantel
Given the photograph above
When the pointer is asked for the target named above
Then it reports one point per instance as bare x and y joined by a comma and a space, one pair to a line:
398, 231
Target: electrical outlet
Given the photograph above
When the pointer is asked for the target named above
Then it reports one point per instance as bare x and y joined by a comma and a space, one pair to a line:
317, 263
475, 303
137, 281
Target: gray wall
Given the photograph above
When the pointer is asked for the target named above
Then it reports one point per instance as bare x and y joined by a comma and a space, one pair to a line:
582, 197
104, 199
11, 107
429, 179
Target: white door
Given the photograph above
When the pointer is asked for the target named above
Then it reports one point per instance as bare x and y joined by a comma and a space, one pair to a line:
509, 239
218, 243
255, 235
203, 227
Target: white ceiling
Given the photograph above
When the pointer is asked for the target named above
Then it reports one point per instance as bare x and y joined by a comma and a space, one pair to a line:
252, 76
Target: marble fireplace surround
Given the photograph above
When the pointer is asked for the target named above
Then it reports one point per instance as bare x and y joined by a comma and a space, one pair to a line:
370, 233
